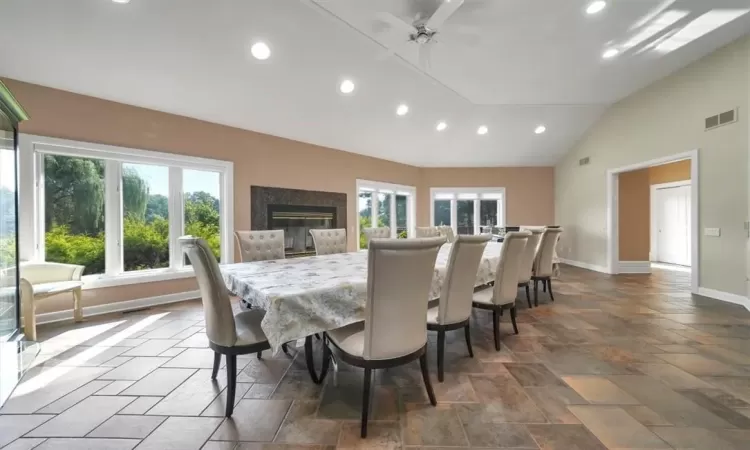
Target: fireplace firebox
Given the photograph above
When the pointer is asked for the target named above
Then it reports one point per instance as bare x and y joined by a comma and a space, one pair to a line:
297, 221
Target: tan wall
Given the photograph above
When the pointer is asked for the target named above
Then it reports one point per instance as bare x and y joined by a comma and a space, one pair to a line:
634, 215
667, 118
259, 159
669, 173
529, 191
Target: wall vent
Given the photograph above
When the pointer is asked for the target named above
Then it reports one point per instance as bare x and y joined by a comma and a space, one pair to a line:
718, 120
583, 161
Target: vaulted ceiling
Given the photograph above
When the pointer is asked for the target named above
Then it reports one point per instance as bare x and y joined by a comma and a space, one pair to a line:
510, 65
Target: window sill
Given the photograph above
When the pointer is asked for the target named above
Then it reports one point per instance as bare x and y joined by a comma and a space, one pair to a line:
139, 277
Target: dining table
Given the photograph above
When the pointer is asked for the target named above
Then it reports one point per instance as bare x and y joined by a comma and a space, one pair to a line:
310, 295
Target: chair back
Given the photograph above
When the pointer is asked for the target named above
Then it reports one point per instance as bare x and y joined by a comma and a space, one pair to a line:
399, 277
428, 232
217, 307
447, 231
376, 233
460, 278
328, 242
529, 255
506, 277
260, 245
546, 253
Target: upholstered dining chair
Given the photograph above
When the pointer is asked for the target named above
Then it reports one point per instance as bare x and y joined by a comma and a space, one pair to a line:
544, 262
228, 334
376, 233
503, 294
260, 245
454, 307
527, 261
447, 231
427, 232
394, 332
328, 242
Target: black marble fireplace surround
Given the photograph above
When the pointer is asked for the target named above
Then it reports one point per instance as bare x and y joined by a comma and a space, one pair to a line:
320, 209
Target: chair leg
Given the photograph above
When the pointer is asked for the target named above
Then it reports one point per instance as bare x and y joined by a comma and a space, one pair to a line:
231, 383
440, 353
77, 309
426, 378
536, 292
260, 355
285, 349
544, 285
513, 319
496, 328
366, 401
528, 297
217, 363
549, 284
467, 334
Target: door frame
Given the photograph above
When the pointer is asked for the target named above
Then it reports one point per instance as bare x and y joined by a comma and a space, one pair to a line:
655, 187
613, 251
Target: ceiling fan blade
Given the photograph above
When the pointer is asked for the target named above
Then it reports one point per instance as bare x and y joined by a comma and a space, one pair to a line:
447, 9
397, 23
425, 52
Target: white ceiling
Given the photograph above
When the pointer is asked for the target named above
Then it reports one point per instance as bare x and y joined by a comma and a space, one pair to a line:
507, 64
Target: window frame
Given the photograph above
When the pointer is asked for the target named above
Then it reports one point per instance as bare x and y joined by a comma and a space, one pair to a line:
31, 214
475, 194
377, 187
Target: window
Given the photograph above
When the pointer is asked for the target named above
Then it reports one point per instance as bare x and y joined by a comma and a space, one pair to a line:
468, 210
119, 211
392, 205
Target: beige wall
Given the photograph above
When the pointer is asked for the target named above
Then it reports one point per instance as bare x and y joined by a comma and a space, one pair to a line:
529, 191
634, 215
259, 159
664, 119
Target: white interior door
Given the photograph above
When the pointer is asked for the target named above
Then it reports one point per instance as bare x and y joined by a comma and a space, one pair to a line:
673, 225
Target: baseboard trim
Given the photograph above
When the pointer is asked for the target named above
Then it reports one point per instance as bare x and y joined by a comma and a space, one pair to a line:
634, 267
127, 305
725, 297
584, 265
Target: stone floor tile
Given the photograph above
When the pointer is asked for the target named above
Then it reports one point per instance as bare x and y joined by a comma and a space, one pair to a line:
87, 444
151, 347
380, 436
533, 375
508, 400
693, 438
41, 387
253, 420
135, 369
599, 390
699, 365
424, 424
15, 426
74, 397
553, 401
615, 428
184, 433
137, 427
140, 405
192, 396
672, 376
260, 391
564, 437
645, 415
24, 444
80, 419
217, 408
160, 382
194, 358
302, 426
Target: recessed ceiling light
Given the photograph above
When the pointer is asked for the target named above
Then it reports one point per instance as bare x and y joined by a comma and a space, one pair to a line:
482, 130
441, 126
402, 109
610, 53
540, 129
260, 51
596, 6
121, 1
346, 87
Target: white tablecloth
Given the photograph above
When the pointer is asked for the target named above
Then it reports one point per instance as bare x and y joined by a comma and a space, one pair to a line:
303, 296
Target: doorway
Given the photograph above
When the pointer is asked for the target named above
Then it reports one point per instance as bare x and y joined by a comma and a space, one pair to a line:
670, 223
641, 263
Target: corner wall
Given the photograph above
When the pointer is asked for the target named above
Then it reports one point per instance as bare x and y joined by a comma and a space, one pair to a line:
664, 119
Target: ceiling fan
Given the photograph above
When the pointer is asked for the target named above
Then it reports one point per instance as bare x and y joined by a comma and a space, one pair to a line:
423, 30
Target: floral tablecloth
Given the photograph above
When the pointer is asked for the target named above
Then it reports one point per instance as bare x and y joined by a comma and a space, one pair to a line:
303, 296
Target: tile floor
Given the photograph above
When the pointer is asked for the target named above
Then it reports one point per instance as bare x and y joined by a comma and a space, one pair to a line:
629, 362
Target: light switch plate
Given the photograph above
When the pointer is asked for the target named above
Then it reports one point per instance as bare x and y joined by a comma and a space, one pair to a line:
712, 232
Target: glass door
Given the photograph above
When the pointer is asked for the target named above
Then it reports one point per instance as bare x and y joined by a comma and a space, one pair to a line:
8, 238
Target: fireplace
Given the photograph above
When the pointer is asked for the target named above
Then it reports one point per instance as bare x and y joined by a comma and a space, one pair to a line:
296, 212
297, 221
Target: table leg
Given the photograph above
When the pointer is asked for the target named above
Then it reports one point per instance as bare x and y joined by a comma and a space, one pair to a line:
311, 362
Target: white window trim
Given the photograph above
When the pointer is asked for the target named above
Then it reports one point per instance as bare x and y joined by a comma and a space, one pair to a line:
452, 194
31, 180
377, 187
